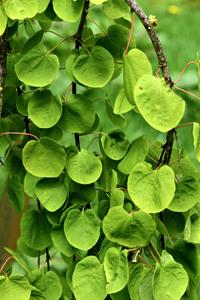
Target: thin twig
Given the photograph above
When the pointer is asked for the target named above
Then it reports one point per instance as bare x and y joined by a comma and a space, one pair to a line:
19, 133
3, 55
4, 264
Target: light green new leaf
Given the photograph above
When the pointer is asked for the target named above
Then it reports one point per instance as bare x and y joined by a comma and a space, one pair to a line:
50, 286
116, 269
115, 145
136, 64
14, 287
3, 18
35, 230
192, 226
115, 9
37, 67
83, 167
170, 279
122, 105
44, 109
61, 243
82, 228
158, 104
136, 153
89, 281
116, 197
68, 10
129, 230
94, 69
151, 190
42, 5
20, 9
52, 193
187, 192
196, 137
44, 158
76, 117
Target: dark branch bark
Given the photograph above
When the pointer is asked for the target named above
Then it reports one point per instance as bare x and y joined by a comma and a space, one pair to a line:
3, 54
78, 43
154, 38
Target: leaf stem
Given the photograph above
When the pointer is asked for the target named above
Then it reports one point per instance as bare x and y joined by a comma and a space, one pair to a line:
130, 35
19, 133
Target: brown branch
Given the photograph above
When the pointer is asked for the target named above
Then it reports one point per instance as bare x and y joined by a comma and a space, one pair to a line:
154, 38
3, 54
78, 43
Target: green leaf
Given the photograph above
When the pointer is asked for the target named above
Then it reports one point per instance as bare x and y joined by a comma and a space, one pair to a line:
94, 69
129, 230
136, 64
158, 104
76, 117
116, 40
52, 193
122, 105
118, 120
68, 10
43, 158
151, 190
145, 287
137, 152
116, 197
50, 286
192, 226
83, 167
137, 274
37, 67
20, 9
116, 269
115, 9
36, 295
34, 40
42, 5
3, 18
61, 243
121, 295
115, 144
16, 192
170, 279
44, 109
30, 182
82, 228
89, 280
35, 230
196, 137
187, 192
14, 287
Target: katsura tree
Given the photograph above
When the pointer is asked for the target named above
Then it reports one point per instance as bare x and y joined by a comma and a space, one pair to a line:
106, 215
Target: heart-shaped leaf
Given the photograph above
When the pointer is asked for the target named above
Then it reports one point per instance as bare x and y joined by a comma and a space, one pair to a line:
115, 145
82, 228
89, 281
14, 287
43, 158
52, 193
44, 109
170, 276
68, 10
20, 9
151, 190
116, 270
3, 18
158, 104
37, 67
83, 167
129, 230
94, 69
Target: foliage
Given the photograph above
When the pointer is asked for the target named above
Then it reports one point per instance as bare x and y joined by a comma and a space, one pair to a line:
112, 214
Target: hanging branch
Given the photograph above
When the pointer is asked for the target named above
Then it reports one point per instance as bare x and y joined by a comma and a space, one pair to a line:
78, 43
3, 54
